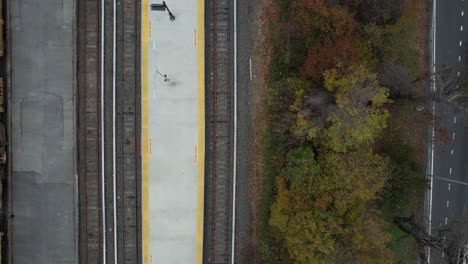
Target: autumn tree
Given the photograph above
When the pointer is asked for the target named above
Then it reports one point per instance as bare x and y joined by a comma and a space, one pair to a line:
321, 205
406, 181
380, 12
398, 80
328, 53
359, 116
401, 46
310, 108
335, 34
352, 182
305, 231
353, 177
374, 39
369, 248
318, 16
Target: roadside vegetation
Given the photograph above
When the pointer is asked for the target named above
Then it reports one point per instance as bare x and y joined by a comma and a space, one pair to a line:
345, 124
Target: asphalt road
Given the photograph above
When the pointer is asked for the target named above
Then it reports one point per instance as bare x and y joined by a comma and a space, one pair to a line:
449, 199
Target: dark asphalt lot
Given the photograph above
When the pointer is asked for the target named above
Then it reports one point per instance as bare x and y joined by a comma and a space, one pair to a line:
43, 179
449, 200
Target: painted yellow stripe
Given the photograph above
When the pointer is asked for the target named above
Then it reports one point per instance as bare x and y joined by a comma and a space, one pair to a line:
201, 129
145, 140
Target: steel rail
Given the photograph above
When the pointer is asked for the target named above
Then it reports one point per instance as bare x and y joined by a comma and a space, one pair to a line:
113, 131
234, 169
103, 193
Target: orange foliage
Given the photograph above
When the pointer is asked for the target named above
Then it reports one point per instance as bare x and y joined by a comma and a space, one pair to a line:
335, 20
327, 54
323, 202
336, 29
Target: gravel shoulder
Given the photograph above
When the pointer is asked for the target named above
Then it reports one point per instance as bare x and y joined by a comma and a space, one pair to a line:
249, 105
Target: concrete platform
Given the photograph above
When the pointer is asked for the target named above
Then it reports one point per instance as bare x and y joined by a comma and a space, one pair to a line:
173, 132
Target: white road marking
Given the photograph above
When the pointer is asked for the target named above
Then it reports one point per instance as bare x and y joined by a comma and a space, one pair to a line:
154, 94
451, 152
450, 170
458, 73
459, 58
446, 220
250, 67
460, 43
461, 28
448, 203
455, 120
453, 136
449, 186
154, 45
462, 13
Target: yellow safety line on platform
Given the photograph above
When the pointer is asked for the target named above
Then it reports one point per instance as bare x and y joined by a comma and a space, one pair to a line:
144, 144
201, 129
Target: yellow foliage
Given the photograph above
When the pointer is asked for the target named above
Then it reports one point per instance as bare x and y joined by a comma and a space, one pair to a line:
359, 117
318, 208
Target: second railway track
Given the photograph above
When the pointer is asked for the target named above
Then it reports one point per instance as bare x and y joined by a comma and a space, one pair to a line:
219, 134
89, 130
127, 133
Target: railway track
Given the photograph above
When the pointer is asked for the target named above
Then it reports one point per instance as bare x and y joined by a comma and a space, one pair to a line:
127, 132
89, 123
108, 131
219, 133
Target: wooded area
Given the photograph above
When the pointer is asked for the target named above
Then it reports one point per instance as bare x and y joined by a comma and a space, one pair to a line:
341, 164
